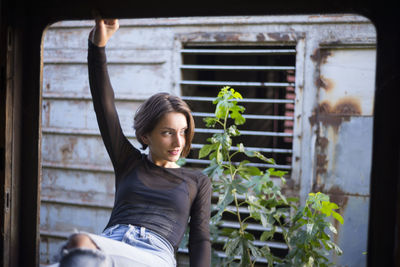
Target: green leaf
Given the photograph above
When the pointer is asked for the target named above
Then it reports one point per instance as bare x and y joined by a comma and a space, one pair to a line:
240, 147
248, 236
310, 227
181, 162
232, 245
241, 188
210, 122
237, 95
255, 251
282, 197
214, 169
252, 154
298, 215
236, 111
233, 131
276, 173
332, 228
337, 249
338, 217
222, 138
292, 199
264, 220
227, 231
206, 149
328, 207
267, 235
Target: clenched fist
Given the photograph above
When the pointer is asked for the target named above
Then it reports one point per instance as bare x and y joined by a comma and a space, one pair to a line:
103, 31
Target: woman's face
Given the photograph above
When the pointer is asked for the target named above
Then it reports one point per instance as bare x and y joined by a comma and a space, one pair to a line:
167, 140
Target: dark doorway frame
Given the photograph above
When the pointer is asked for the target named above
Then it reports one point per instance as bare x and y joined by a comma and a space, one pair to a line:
22, 24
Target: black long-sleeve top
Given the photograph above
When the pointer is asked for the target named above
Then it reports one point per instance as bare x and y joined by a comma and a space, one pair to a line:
160, 199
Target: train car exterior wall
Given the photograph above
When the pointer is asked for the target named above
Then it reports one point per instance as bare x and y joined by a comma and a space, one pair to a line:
334, 88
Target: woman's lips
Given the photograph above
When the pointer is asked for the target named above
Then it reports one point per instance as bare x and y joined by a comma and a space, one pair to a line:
174, 152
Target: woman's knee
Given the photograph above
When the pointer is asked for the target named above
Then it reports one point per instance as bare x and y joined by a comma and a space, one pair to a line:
84, 257
80, 241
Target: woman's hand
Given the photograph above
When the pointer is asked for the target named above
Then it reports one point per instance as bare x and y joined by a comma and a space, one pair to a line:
103, 31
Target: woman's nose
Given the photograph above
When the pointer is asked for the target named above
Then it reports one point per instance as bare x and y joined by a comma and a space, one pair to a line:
179, 140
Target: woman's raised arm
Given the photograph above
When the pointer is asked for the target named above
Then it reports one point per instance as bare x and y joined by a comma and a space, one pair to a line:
118, 147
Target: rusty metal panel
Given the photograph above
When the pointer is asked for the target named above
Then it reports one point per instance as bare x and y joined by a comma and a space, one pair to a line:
344, 158
347, 81
353, 234
344, 120
343, 150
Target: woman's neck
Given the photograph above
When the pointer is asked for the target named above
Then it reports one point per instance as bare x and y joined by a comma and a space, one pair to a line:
164, 164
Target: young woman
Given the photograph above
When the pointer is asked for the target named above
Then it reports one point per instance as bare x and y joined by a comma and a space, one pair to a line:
154, 198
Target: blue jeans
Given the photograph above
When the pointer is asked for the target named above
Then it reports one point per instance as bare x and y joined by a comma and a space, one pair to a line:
144, 239
121, 246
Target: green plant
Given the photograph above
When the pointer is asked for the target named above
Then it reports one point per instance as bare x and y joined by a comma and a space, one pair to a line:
307, 237
245, 185
233, 182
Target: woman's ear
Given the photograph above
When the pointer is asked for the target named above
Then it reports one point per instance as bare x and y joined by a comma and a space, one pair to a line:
145, 139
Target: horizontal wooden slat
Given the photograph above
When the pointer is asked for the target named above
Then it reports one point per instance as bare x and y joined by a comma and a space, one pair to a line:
247, 116
244, 132
259, 149
260, 165
244, 100
231, 83
239, 51
234, 67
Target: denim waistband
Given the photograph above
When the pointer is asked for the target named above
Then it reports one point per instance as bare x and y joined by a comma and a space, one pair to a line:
142, 231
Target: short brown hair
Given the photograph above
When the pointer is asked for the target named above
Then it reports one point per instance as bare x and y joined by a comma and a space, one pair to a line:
154, 108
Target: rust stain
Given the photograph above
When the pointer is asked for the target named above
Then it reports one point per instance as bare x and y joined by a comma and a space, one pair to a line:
320, 55
329, 120
332, 17
324, 108
205, 35
86, 197
260, 37
227, 37
322, 163
67, 149
322, 142
279, 36
348, 106
194, 37
326, 83
344, 106
334, 115
338, 196
46, 110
